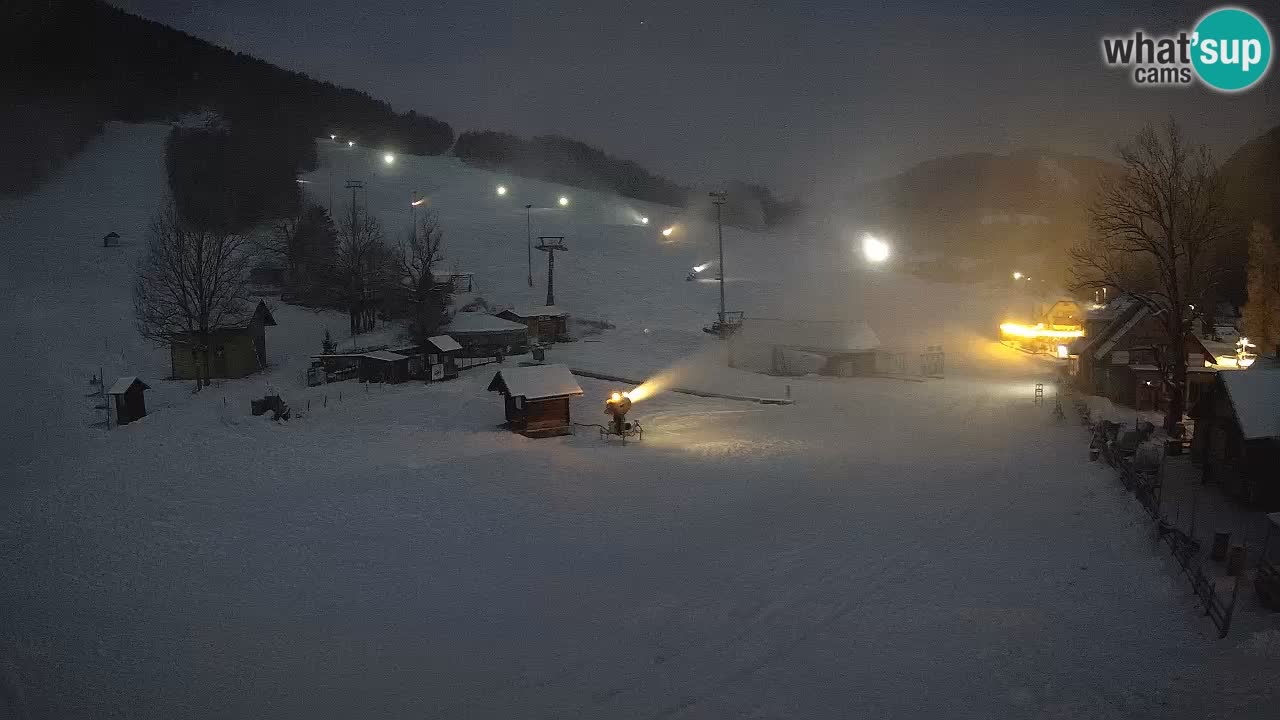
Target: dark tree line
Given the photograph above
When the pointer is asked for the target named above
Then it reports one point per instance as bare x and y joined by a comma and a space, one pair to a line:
70, 65
559, 159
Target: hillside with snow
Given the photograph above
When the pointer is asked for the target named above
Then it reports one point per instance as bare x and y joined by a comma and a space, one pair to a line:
881, 547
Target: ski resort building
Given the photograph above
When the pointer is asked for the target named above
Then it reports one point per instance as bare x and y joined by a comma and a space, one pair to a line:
537, 399
234, 352
1121, 360
482, 334
796, 347
546, 323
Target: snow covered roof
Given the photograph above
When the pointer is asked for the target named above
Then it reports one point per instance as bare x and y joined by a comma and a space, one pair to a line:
444, 343
536, 382
1255, 396
385, 355
122, 385
1118, 329
478, 322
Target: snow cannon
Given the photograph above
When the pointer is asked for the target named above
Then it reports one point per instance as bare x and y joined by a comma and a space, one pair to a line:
617, 407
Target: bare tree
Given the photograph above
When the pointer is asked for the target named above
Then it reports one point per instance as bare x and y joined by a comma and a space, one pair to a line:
1153, 235
420, 255
190, 284
361, 266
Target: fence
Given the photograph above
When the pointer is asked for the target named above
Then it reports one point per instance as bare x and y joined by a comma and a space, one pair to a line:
1146, 484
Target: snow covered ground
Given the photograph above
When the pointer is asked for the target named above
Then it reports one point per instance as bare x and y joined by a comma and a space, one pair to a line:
879, 548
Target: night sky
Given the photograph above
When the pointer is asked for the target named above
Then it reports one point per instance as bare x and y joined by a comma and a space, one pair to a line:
808, 96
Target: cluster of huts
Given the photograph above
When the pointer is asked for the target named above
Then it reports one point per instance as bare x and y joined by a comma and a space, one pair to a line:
1234, 410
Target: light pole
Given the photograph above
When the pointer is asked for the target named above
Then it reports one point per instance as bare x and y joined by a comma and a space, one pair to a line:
528, 238
719, 198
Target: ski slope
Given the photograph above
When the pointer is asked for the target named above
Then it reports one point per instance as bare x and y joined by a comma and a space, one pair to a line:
877, 549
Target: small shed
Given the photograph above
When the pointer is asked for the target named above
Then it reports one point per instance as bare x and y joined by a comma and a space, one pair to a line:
439, 357
384, 366
111, 239
127, 401
546, 323
537, 398
481, 335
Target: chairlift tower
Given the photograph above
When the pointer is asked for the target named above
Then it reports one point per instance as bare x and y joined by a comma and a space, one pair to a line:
549, 244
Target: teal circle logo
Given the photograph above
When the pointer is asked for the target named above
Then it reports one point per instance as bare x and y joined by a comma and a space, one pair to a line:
1231, 49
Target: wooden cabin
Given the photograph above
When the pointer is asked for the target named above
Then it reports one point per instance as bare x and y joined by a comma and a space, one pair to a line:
484, 335
1120, 361
546, 323
126, 400
383, 366
440, 358
234, 351
537, 398
1237, 435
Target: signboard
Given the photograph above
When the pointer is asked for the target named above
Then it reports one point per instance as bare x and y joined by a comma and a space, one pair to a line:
437, 372
1120, 357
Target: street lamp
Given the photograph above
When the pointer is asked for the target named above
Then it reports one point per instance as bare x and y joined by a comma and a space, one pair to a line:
874, 249
644, 221
1017, 275
332, 136
502, 190
351, 143
564, 201
388, 158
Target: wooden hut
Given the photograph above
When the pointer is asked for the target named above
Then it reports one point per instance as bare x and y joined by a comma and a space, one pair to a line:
537, 398
234, 351
127, 402
1237, 434
440, 358
546, 323
483, 335
384, 366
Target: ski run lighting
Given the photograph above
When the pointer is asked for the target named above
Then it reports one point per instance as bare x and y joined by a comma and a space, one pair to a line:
418, 202
874, 249
700, 268
388, 158
564, 201
644, 221
1038, 330
666, 232
502, 190
351, 143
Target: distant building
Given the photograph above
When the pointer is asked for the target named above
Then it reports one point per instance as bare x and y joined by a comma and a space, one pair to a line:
127, 402
537, 398
383, 366
111, 239
796, 347
234, 352
546, 323
1237, 435
481, 334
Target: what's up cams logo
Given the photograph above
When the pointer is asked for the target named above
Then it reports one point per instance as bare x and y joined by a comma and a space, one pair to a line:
1229, 50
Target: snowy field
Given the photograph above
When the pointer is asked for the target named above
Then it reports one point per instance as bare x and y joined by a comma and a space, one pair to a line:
878, 549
